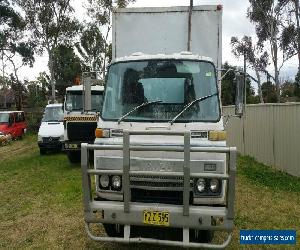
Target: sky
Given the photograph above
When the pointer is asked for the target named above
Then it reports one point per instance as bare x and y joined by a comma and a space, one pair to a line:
235, 23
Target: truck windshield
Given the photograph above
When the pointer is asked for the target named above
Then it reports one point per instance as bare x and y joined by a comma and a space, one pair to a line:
174, 83
53, 114
74, 101
4, 117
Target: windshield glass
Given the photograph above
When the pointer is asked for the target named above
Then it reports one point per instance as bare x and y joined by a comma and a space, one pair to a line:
4, 117
74, 101
175, 83
53, 114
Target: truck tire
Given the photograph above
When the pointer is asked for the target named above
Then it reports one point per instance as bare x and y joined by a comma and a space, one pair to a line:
201, 236
74, 156
42, 151
114, 230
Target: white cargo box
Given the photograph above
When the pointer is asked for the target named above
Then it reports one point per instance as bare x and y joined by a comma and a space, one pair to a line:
165, 31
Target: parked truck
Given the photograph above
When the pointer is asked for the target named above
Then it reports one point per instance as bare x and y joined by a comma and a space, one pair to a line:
163, 172
80, 123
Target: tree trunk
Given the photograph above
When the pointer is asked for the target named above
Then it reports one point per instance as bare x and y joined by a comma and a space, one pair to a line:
298, 30
51, 75
4, 81
259, 86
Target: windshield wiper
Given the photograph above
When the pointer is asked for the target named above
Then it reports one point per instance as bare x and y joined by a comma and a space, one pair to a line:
200, 99
136, 108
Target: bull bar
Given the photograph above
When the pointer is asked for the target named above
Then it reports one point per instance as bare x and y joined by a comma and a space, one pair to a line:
127, 212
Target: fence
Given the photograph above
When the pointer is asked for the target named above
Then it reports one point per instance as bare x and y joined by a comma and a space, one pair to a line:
268, 132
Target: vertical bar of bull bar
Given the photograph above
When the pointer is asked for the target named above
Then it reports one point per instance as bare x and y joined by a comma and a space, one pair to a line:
86, 179
231, 182
126, 168
186, 173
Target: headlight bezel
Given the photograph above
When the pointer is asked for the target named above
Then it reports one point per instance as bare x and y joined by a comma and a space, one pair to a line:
114, 187
101, 186
207, 191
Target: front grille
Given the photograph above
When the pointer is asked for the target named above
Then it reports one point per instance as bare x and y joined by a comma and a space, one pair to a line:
158, 182
81, 131
158, 196
50, 139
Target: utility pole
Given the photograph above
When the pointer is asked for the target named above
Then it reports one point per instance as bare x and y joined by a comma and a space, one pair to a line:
190, 26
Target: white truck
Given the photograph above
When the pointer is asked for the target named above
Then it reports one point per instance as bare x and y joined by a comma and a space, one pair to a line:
51, 131
163, 172
80, 123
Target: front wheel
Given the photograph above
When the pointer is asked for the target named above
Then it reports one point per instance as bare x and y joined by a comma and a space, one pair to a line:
201, 236
42, 151
74, 156
114, 230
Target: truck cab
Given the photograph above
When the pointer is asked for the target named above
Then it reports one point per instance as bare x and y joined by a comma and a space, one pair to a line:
163, 172
80, 124
51, 131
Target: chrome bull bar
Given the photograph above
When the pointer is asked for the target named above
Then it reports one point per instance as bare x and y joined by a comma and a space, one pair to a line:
88, 202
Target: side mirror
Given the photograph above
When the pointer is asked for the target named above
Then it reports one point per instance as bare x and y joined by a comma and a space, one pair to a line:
239, 95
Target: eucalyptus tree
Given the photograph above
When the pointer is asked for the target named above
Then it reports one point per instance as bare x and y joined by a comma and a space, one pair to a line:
268, 16
16, 48
67, 66
95, 43
291, 33
254, 55
51, 24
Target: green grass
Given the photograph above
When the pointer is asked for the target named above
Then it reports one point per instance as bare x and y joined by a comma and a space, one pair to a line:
264, 176
41, 201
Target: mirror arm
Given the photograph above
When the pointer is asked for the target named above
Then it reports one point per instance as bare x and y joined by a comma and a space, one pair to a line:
228, 117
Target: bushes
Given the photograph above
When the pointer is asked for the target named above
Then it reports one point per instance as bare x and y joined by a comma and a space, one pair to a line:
33, 120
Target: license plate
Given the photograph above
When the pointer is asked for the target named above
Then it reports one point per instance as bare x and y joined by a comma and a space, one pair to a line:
159, 218
73, 146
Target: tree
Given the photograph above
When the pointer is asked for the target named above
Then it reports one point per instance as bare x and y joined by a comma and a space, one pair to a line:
229, 86
92, 47
37, 95
13, 45
256, 58
98, 34
267, 16
269, 92
291, 34
51, 24
66, 67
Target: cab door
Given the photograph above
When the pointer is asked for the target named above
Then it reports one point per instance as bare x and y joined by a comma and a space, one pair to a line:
11, 125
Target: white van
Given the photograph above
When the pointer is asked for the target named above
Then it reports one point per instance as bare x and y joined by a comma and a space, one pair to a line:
51, 131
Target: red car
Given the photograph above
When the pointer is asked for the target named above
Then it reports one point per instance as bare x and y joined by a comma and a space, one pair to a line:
13, 123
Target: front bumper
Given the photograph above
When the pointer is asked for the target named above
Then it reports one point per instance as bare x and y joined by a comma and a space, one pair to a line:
74, 145
183, 216
200, 217
51, 146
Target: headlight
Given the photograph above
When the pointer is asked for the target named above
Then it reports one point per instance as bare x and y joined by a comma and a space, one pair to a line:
200, 185
214, 185
104, 181
116, 182
40, 138
61, 138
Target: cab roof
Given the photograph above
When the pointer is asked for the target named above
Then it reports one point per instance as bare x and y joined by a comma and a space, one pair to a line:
8, 112
80, 88
54, 105
184, 55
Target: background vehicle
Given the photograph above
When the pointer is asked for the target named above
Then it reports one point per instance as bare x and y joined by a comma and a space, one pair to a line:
51, 131
13, 123
80, 124
160, 154
4, 138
